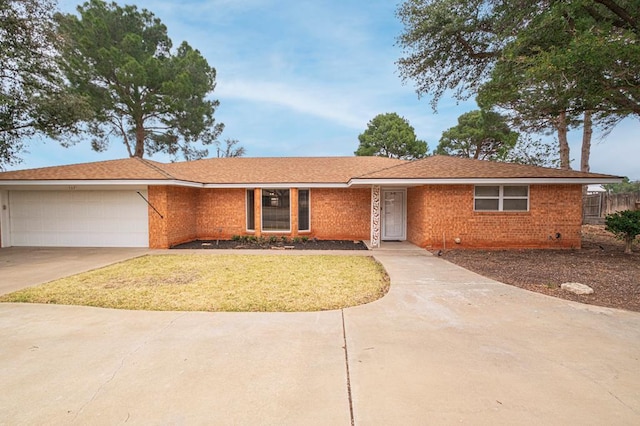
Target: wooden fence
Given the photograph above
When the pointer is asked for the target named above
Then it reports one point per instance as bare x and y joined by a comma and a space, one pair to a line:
596, 205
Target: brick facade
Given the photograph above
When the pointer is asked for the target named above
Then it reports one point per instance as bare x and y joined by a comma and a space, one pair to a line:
221, 213
190, 214
341, 214
438, 214
177, 205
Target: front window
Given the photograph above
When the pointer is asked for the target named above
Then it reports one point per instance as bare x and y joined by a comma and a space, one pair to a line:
303, 210
251, 218
275, 210
501, 198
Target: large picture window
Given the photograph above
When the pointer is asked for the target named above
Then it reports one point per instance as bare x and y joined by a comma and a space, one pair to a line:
275, 210
501, 198
303, 210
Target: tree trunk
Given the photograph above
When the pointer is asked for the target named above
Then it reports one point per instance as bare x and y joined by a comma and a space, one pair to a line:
139, 152
565, 160
587, 131
628, 242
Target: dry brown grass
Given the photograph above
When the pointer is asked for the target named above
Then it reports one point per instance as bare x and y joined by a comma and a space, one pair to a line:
247, 283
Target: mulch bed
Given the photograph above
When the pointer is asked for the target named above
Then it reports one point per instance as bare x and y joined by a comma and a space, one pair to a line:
601, 264
311, 244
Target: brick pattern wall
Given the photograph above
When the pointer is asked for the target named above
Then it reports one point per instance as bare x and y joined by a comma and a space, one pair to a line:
438, 214
341, 213
221, 213
191, 214
178, 206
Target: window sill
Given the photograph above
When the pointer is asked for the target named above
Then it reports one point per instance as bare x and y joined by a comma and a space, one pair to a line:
487, 212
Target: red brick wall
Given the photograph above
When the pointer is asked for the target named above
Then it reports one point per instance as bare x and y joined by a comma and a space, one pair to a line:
191, 214
221, 213
437, 214
178, 206
341, 213
434, 212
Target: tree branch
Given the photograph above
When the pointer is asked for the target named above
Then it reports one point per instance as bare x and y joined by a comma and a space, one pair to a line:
15, 128
472, 53
620, 12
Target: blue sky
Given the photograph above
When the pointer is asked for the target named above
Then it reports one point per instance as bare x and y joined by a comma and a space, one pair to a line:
304, 77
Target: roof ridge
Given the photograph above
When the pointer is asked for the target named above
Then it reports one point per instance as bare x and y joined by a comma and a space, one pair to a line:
155, 166
284, 157
404, 163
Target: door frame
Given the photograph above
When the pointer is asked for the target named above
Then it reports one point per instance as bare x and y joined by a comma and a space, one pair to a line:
384, 192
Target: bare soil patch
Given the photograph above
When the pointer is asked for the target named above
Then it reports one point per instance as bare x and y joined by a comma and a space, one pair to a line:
600, 264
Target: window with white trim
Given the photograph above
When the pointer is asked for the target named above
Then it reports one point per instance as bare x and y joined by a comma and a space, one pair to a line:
499, 198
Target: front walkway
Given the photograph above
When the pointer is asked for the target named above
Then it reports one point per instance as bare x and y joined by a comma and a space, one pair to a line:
444, 346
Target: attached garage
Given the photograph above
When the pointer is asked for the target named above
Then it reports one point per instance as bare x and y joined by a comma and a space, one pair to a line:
77, 218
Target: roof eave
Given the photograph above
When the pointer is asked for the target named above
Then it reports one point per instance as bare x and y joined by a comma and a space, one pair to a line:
79, 183
94, 182
484, 181
276, 185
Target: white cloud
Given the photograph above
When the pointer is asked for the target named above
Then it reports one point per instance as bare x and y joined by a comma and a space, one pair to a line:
343, 108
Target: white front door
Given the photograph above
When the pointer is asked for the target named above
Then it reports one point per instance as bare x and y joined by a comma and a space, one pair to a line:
393, 215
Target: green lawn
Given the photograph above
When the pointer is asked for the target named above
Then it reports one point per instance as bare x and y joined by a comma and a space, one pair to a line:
217, 283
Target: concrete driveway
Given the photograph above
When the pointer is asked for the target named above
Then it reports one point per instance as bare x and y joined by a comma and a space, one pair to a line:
444, 346
22, 267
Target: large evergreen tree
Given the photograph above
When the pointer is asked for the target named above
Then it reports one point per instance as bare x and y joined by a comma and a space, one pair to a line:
555, 63
486, 135
482, 135
454, 44
389, 135
152, 98
32, 95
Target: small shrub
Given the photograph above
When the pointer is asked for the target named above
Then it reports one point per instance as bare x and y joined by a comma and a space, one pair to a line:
236, 238
296, 240
252, 239
625, 225
273, 239
284, 239
304, 239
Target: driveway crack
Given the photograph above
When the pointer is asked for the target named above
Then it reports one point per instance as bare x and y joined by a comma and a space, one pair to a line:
346, 364
121, 365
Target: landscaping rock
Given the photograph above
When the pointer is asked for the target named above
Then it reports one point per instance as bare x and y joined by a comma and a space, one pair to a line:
577, 288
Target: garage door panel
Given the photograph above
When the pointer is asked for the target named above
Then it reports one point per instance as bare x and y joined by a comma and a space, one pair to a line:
78, 219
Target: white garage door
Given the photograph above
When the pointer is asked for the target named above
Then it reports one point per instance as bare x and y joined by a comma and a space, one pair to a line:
78, 219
